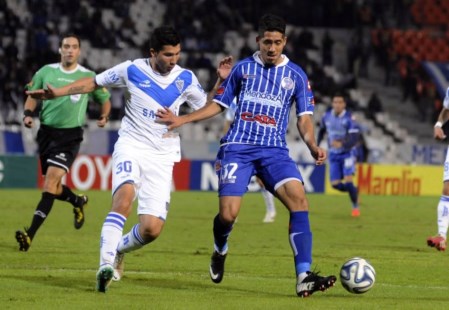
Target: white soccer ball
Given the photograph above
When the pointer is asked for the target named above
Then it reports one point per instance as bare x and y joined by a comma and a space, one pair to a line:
357, 275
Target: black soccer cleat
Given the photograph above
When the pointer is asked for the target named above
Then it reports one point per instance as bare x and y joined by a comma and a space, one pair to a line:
217, 267
23, 239
78, 211
314, 282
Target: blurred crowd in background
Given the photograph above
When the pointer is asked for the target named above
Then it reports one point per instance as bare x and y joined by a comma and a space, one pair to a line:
204, 24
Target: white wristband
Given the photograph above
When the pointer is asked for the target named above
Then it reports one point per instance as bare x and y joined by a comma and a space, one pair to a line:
438, 124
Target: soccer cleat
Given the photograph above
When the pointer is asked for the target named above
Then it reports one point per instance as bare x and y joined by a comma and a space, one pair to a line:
104, 277
119, 266
437, 242
355, 212
79, 212
217, 267
269, 217
314, 282
23, 239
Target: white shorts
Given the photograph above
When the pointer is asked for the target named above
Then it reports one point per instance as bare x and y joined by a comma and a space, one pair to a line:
151, 175
446, 167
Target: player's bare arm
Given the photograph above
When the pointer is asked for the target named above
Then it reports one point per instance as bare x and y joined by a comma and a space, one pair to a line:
438, 132
82, 86
306, 130
30, 106
104, 116
166, 116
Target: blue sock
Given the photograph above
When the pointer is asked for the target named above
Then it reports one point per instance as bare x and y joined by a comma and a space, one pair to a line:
301, 240
340, 187
221, 234
353, 193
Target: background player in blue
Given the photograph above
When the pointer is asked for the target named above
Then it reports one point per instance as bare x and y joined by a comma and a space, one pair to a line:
342, 135
266, 85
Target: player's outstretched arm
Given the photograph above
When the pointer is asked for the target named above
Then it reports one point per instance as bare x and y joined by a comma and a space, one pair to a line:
306, 130
438, 132
81, 86
166, 116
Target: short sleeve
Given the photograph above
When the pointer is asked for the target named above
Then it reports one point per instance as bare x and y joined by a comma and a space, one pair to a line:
229, 89
196, 97
115, 76
37, 82
305, 102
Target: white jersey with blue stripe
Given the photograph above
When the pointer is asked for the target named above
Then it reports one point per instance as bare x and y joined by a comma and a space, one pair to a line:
148, 91
265, 95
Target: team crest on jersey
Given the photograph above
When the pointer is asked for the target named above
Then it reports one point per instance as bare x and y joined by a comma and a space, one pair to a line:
287, 83
180, 85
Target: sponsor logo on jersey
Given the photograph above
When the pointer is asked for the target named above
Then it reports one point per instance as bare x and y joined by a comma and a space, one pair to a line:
145, 84
220, 90
263, 98
249, 76
287, 83
179, 85
149, 113
311, 100
61, 156
75, 98
61, 79
262, 119
113, 77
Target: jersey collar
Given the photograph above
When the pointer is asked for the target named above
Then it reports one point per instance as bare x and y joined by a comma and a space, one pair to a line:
68, 71
257, 58
341, 114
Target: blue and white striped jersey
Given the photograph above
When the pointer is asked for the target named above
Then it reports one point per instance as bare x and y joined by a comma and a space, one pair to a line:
148, 91
265, 95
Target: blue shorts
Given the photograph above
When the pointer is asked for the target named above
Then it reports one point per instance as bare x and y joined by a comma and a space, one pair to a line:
237, 163
341, 165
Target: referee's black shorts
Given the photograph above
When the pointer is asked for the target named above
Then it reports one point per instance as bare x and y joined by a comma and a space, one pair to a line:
58, 146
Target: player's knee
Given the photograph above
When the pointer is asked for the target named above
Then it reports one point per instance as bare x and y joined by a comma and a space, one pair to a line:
151, 233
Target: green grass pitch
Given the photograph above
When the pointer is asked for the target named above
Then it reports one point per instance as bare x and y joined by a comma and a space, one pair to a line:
58, 272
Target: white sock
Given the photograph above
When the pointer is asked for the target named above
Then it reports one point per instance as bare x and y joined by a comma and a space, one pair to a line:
131, 241
111, 233
269, 201
443, 216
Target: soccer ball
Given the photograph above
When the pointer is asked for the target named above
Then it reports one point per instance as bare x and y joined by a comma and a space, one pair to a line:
357, 275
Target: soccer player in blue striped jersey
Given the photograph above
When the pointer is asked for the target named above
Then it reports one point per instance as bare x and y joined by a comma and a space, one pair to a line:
439, 241
266, 86
342, 135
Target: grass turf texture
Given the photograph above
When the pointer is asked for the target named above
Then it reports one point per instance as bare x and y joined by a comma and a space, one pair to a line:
172, 273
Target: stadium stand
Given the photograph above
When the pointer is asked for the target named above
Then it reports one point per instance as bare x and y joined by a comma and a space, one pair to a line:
359, 47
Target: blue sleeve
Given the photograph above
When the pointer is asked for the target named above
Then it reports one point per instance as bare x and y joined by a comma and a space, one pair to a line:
322, 130
305, 103
352, 136
229, 89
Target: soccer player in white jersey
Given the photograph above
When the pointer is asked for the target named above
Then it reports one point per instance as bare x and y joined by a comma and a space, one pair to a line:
266, 85
439, 241
146, 151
